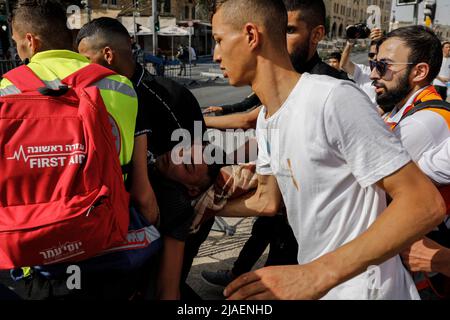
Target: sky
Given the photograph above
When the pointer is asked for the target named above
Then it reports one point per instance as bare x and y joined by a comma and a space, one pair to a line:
405, 13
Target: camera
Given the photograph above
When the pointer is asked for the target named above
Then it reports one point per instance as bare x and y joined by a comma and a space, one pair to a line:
357, 31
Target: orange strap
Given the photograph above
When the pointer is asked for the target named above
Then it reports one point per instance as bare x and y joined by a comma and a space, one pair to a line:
429, 93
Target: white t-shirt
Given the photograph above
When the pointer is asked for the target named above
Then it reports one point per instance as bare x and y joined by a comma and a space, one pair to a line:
327, 148
421, 131
361, 76
436, 163
444, 72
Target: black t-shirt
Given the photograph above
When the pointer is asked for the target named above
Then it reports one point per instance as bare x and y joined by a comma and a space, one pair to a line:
142, 126
176, 211
166, 106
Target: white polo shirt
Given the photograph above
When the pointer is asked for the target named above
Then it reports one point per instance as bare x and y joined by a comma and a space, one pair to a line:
436, 162
420, 132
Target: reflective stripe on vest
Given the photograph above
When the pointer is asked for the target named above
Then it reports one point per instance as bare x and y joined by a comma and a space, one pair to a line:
109, 84
12, 89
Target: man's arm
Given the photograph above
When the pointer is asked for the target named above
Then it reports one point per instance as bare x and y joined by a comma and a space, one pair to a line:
443, 79
169, 274
244, 121
244, 105
265, 201
141, 191
428, 256
416, 208
346, 64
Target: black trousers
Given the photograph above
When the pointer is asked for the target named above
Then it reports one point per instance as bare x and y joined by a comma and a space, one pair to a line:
274, 231
138, 284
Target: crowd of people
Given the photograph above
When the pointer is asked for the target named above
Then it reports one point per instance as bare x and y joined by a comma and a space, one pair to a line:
351, 174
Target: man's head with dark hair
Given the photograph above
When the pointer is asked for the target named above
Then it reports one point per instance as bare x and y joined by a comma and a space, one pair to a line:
446, 49
40, 25
106, 41
195, 167
306, 28
412, 57
334, 60
264, 12
312, 12
424, 47
247, 32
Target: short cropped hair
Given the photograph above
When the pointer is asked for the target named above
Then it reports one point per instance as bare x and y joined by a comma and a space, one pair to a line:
424, 46
335, 55
105, 29
313, 12
271, 14
45, 18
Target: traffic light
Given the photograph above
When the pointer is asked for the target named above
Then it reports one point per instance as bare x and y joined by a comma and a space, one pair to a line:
429, 11
157, 25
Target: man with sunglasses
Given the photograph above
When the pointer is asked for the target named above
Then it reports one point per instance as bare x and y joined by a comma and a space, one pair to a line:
360, 72
407, 62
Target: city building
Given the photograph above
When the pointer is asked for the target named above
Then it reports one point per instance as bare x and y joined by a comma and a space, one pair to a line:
341, 13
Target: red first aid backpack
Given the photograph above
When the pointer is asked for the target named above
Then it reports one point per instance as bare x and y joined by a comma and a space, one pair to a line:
62, 196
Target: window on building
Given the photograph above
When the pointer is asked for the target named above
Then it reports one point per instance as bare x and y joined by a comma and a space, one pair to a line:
104, 2
193, 12
114, 2
186, 12
166, 6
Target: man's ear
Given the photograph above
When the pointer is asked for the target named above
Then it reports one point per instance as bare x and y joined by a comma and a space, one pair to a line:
420, 72
108, 55
317, 34
34, 44
252, 33
193, 191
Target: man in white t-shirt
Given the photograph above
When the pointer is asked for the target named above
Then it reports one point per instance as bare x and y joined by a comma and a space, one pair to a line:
443, 77
325, 151
360, 72
436, 163
408, 60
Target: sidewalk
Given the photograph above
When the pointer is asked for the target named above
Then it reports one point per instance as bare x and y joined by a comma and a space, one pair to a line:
219, 251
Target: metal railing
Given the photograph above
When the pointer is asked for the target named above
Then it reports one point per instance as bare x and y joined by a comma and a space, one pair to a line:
6, 65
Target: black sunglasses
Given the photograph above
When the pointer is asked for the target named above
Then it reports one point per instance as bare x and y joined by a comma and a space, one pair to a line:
382, 66
372, 55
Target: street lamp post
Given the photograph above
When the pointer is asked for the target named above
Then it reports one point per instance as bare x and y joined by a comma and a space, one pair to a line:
87, 8
416, 14
155, 21
136, 5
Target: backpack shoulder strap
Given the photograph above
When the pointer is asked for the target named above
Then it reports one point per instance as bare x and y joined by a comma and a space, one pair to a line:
24, 79
435, 104
87, 75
